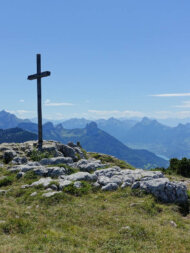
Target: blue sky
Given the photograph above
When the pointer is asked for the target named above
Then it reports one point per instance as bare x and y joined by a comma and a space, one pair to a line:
107, 57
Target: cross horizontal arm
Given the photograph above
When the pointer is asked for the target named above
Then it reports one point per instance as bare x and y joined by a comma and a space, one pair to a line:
36, 76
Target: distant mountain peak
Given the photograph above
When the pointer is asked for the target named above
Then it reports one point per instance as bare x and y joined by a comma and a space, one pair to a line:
9, 120
48, 125
92, 127
148, 121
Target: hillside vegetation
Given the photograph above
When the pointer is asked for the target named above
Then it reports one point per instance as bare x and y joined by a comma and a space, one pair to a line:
17, 135
86, 219
122, 221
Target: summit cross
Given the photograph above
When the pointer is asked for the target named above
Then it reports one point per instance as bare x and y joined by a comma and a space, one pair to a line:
38, 76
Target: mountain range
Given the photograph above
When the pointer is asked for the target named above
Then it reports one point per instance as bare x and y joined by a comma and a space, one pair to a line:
148, 134
9, 120
96, 140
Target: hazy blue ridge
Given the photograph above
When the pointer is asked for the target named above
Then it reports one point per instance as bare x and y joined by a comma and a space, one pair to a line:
96, 140
17, 135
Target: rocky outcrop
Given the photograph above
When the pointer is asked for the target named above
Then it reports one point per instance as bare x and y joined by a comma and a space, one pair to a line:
56, 160
164, 190
89, 165
82, 176
70, 159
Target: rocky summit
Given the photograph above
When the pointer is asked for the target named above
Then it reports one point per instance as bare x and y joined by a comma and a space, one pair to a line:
59, 166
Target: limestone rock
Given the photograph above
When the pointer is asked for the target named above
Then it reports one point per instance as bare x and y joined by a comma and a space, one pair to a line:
108, 179
77, 184
25, 186
50, 171
89, 165
19, 160
33, 194
67, 151
43, 181
173, 224
54, 187
56, 160
64, 183
49, 194
9, 155
96, 185
165, 190
109, 172
2, 192
110, 187
20, 174
23, 168
82, 176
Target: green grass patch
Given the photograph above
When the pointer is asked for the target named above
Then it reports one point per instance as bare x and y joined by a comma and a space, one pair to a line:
37, 155
70, 170
16, 226
85, 189
111, 160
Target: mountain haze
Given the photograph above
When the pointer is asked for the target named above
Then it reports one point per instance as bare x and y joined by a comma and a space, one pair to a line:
17, 135
96, 140
9, 120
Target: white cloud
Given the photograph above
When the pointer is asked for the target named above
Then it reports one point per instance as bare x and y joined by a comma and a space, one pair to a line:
128, 114
170, 114
185, 104
21, 100
49, 103
22, 113
116, 113
172, 95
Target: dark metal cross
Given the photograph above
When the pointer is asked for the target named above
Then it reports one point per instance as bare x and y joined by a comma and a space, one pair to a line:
38, 76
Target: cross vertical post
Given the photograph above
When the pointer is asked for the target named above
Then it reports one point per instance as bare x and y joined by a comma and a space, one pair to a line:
38, 76
39, 101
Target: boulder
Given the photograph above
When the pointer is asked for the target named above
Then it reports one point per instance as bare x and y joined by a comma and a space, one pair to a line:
19, 160
64, 183
89, 165
77, 184
49, 194
102, 180
24, 168
54, 187
43, 181
50, 171
79, 151
164, 190
67, 151
109, 172
82, 176
20, 174
56, 160
9, 155
33, 194
110, 187
2, 192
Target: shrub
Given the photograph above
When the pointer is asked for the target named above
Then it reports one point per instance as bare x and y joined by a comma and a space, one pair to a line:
6, 181
180, 167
